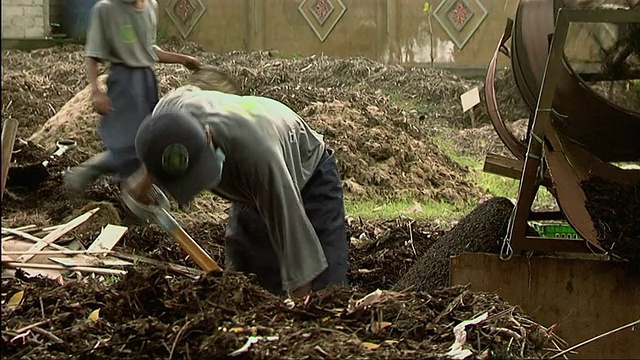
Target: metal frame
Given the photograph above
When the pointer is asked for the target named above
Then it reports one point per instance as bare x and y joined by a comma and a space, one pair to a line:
530, 181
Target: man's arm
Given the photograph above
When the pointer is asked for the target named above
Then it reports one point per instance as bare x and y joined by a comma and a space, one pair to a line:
97, 48
167, 57
292, 234
92, 74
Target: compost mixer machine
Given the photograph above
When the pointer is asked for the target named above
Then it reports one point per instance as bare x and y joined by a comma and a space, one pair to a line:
577, 140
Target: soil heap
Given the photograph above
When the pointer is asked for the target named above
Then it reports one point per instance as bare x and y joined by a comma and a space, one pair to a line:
478, 232
383, 149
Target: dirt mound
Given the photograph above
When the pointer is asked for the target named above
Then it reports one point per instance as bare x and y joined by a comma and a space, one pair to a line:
479, 231
383, 151
483, 140
380, 155
36, 84
75, 120
152, 314
615, 210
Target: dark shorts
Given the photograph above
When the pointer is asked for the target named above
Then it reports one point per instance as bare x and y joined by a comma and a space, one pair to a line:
134, 95
249, 249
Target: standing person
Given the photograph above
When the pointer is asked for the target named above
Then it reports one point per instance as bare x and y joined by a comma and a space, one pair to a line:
123, 34
287, 218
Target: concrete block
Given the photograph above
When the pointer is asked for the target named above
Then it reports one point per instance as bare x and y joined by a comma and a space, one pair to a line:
38, 21
12, 32
34, 32
38, 2
11, 11
22, 22
33, 11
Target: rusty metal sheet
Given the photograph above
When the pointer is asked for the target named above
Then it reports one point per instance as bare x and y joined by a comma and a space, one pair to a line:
584, 297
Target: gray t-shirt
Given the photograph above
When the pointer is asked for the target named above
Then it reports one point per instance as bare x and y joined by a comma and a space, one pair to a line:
270, 155
121, 34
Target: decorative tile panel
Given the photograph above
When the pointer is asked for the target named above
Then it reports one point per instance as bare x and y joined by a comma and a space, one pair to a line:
460, 19
185, 14
322, 15
322, 9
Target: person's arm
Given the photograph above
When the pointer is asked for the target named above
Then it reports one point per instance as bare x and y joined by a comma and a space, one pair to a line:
92, 74
168, 57
292, 234
97, 48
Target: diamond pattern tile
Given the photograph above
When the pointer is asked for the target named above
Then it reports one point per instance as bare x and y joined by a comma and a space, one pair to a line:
322, 15
185, 14
460, 19
321, 10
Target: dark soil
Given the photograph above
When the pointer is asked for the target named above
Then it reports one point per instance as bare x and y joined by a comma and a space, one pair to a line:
154, 313
479, 231
150, 314
615, 210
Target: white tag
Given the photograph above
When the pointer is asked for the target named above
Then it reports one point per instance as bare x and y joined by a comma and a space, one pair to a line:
470, 99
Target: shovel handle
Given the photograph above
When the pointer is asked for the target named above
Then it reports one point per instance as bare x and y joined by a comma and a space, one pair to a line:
194, 250
186, 242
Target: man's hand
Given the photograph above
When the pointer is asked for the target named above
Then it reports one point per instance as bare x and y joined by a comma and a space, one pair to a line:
138, 184
191, 63
101, 103
301, 292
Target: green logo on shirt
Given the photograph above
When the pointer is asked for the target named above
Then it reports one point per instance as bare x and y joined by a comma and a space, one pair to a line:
175, 159
126, 33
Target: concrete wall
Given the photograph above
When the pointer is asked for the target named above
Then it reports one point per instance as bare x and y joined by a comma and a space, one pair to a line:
25, 19
395, 31
388, 30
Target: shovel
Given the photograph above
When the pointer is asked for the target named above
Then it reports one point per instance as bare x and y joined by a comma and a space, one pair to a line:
31, 175
158, 213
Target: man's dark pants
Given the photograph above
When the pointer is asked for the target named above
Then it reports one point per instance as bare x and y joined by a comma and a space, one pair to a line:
134, 94
248, 246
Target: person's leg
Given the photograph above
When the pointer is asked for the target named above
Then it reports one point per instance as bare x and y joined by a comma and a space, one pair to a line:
324, 205
133, 94
248, 248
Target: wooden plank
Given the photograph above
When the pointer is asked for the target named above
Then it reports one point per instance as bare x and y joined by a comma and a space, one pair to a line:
508, 167
108, 238
33, 239
35, 232
21, 234
58, 233
86, 260
95, 270
25, 228
503, 166
180, 269
56, 252
9, 131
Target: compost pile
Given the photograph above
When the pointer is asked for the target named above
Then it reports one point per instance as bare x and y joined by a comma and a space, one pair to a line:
480, 141
378, 117
615, 210
151, 314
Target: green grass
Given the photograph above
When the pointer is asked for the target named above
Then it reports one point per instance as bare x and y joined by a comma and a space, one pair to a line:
409, 208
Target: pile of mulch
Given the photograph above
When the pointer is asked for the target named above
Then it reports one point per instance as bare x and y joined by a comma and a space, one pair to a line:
360, 105
615, 211
478, 142
481, 231
150, 314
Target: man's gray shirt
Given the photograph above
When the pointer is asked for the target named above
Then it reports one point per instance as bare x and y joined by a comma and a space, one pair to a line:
121, 34
270, 155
